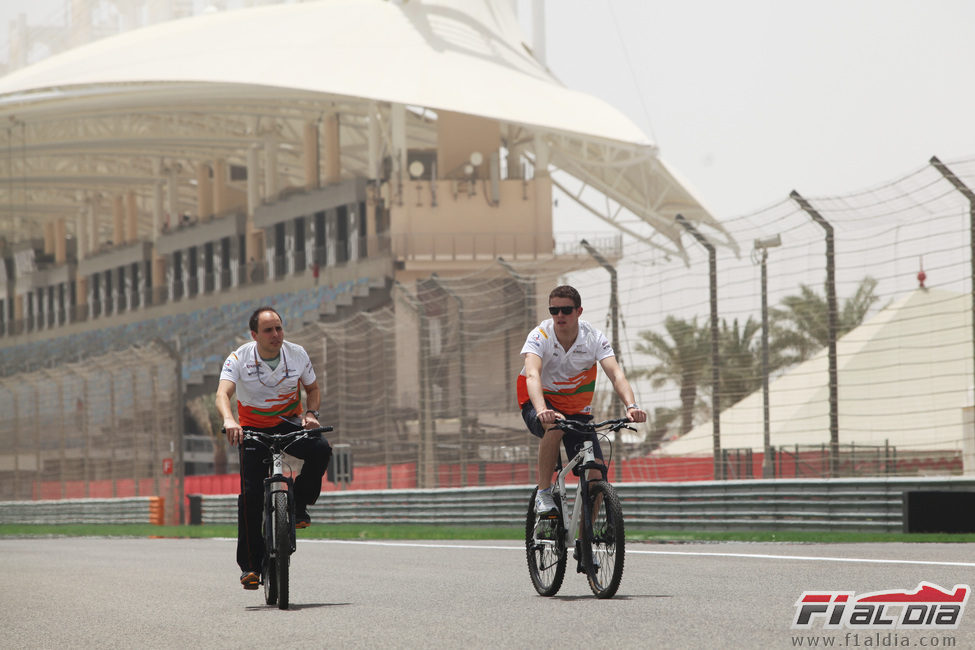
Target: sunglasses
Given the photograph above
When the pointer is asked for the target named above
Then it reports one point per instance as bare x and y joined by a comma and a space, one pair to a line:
566, 310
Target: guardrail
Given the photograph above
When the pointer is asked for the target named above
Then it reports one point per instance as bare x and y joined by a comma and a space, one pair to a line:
783, 504
496, 506
134, 510
878, 505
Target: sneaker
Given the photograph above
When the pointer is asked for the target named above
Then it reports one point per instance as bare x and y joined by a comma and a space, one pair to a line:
544, 503
302, 520
250, 579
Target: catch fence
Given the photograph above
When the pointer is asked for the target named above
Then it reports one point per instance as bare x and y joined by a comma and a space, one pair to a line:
100, 428
420, 387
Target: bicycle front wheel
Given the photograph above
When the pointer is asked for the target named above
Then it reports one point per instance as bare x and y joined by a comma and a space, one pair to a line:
270, 579
269, 573
282, 546
545, 547
604, 540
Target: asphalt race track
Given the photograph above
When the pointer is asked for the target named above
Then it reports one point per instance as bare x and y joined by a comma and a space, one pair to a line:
167, 593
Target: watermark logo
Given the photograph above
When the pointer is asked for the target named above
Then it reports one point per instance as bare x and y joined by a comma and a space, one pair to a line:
925, 608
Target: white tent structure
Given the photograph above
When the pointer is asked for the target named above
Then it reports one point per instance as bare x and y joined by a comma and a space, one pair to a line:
905, 380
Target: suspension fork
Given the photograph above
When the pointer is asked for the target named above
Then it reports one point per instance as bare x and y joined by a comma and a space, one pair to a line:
590, 508
273, 485
587, 511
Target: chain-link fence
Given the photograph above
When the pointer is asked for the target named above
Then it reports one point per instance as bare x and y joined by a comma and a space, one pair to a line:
420, 389
104, 427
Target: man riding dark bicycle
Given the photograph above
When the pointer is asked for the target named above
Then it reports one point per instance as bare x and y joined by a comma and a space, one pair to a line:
558, 382
265, 375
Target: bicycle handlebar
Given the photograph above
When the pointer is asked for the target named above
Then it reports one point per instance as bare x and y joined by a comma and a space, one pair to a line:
592, 427
281, 441
271, 438
260, 435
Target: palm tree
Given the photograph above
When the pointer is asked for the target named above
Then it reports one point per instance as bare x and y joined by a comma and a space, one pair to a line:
855, 309
741, 360
663, 417
683, 356
800, 327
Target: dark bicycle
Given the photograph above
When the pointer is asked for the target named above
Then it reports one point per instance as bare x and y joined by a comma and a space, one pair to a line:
595, 528
279, 512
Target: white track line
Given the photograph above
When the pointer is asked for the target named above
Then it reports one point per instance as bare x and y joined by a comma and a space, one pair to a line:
368, 542
754, 556
804, 558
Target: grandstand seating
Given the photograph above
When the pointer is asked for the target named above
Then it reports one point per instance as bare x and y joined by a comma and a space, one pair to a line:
203, 337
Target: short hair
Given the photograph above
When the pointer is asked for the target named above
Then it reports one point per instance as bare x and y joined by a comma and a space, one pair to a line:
257, 313
565, 291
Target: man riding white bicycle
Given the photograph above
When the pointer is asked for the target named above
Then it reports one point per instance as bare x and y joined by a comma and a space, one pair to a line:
265, 375
558, 380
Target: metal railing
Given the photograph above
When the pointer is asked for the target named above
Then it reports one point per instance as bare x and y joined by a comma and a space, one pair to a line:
134, 510
866, 505
823, 504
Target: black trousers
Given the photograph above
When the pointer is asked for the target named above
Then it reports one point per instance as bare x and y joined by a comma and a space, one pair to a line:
254, 462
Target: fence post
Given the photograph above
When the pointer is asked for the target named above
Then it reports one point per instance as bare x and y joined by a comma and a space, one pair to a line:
177, 489
465, 423
831, 314
426, 469
719, 472
970, 195
614, 310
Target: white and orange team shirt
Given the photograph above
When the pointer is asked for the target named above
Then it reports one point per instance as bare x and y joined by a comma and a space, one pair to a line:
264, 395
568, 378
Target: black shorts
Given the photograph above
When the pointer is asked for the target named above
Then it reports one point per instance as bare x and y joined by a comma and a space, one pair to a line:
572, 442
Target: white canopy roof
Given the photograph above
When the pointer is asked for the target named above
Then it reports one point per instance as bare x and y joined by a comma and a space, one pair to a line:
421, 53
904, 378
195, 85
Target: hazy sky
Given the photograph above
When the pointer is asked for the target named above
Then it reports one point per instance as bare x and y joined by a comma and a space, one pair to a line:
753, 98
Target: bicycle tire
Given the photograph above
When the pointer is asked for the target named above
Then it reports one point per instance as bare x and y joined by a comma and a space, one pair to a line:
270, 579
269, 574
546, 558
603, 540
282, 546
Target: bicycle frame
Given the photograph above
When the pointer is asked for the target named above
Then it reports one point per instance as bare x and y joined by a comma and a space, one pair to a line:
587, 460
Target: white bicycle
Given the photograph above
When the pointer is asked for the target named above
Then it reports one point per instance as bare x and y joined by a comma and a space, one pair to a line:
594, 529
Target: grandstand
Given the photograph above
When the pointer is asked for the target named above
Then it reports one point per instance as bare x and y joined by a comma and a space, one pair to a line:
157, 185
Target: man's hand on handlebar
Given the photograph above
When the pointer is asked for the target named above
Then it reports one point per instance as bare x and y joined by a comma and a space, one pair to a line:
235, 435
548, 416
636, 415
309, 421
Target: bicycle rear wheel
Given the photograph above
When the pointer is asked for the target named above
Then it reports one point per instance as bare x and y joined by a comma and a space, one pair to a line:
545, 548
604, 540
282, 546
